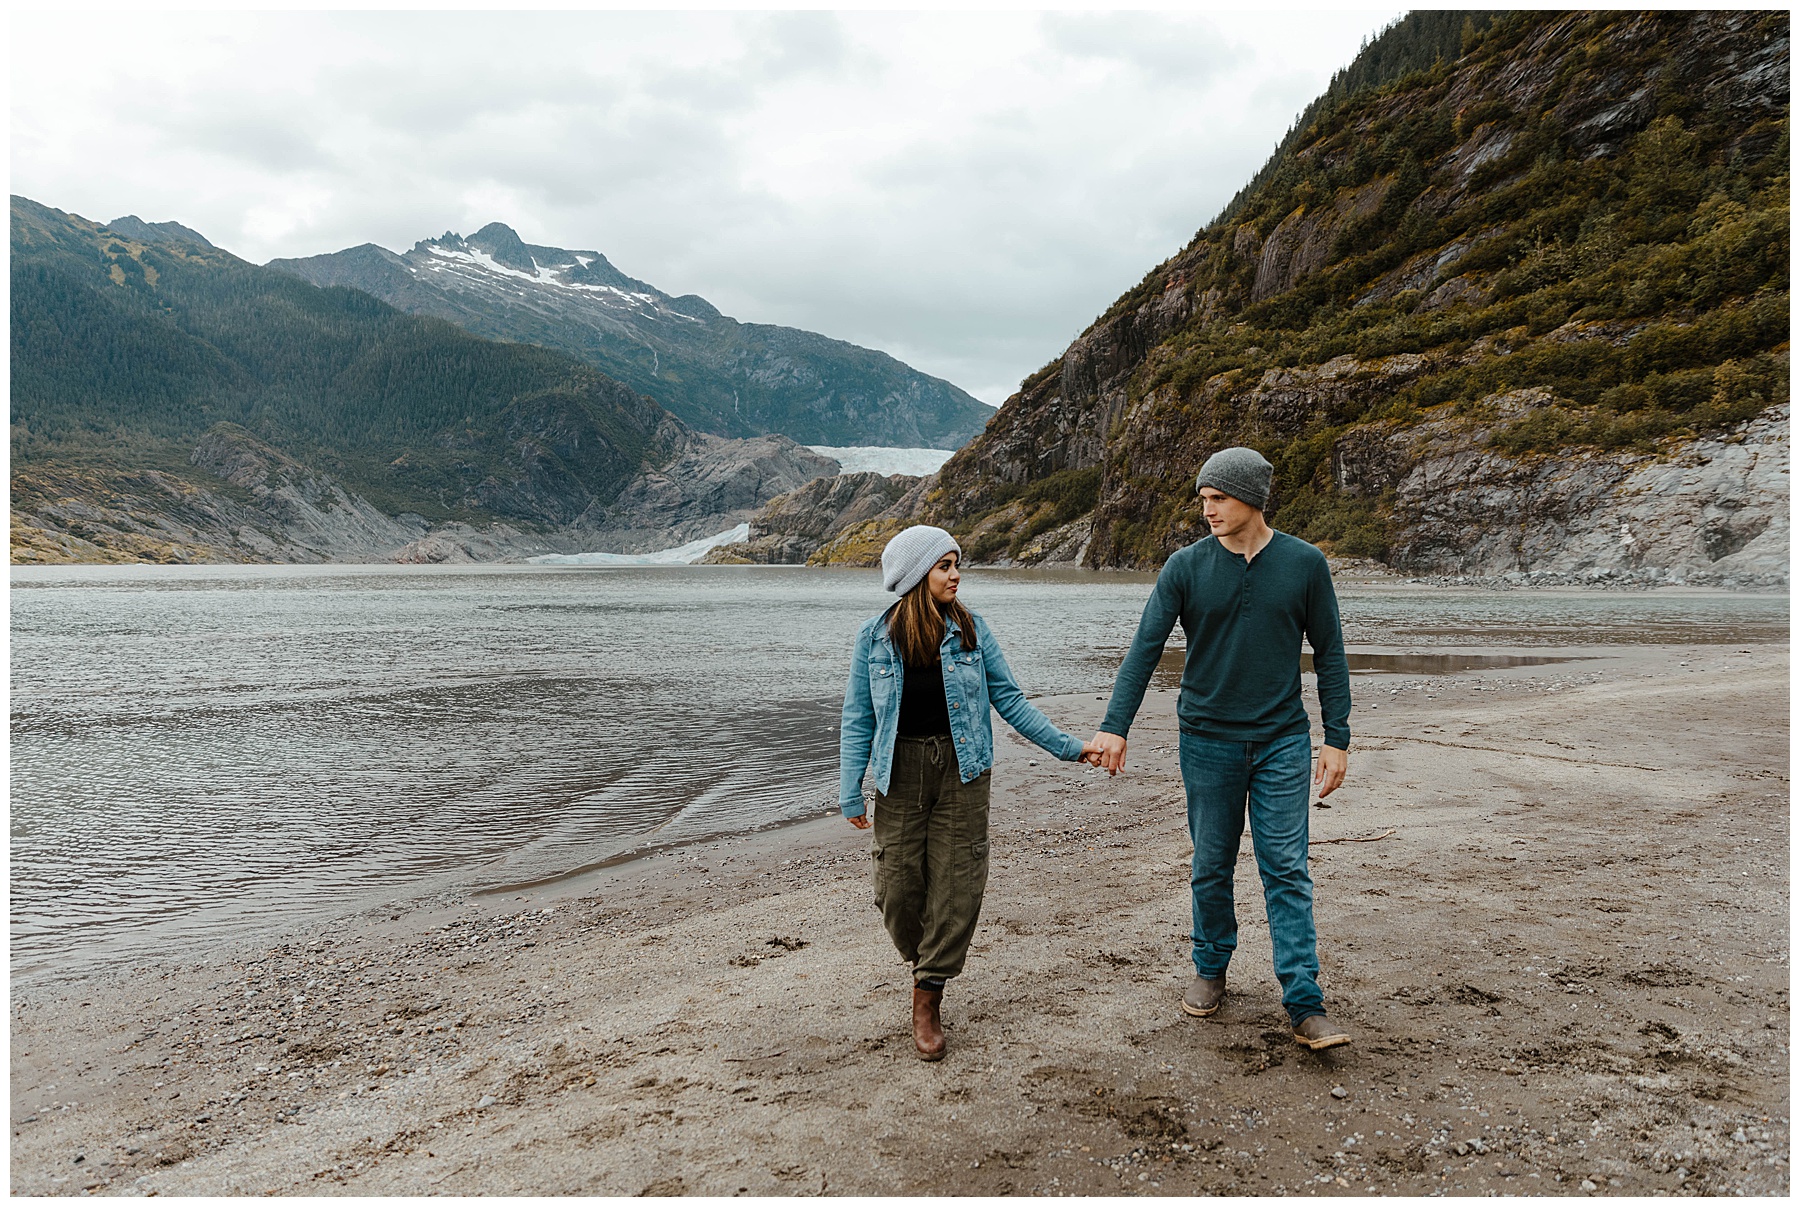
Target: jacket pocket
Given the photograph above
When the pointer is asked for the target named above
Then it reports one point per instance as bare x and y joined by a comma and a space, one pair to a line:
970, 678
881, 687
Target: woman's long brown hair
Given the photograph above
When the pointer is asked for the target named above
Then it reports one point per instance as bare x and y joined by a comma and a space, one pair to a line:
917, 625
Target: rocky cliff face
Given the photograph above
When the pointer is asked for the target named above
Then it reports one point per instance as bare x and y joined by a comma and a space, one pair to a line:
248, 502
717, 374
714, 484
242, 500
1715, 512
1476, 317
791, 529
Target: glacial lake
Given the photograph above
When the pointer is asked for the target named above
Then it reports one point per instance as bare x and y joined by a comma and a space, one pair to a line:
202, 755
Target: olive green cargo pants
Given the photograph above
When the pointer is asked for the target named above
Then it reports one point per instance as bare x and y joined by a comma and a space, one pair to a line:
931, 855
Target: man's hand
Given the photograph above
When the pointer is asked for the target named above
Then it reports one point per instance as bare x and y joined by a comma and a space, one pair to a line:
1333, 763
860, 821
1112, 751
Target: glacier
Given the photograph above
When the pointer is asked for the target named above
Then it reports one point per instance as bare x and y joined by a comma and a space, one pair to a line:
681, 555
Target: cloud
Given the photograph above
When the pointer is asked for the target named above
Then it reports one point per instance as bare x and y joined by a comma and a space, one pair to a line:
1182, 47
964, 190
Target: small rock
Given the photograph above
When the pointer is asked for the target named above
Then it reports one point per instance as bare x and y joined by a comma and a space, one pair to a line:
1587, 1185
487, 1100
1338, 1091
80, 1157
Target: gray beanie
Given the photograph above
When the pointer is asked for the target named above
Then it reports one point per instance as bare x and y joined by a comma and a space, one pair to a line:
912, 554
1241, 473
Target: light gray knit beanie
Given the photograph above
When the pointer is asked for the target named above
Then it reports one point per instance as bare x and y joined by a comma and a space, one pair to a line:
1242, 473
912, 554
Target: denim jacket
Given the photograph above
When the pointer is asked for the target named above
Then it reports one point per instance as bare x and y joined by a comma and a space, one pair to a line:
973, 680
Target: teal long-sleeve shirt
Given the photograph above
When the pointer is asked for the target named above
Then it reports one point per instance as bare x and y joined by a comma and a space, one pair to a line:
1243, 622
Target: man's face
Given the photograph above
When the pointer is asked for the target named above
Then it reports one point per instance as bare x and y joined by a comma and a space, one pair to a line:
1225, 515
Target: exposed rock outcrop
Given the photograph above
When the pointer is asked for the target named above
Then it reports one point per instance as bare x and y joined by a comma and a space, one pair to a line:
250, 502
790, 529
1715, 513
714, 484
276, 510
298, 507
455, 543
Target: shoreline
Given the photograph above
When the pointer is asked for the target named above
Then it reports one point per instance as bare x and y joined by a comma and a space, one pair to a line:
705, 1018
435, 889
1353, 572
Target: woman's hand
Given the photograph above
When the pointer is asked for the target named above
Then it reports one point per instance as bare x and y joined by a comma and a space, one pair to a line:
860, 821
1108, 752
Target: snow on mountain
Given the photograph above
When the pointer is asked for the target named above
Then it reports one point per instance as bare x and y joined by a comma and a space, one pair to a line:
717, 374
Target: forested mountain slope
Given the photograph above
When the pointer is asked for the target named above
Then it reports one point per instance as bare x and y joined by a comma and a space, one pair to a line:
158, 378
1524, 308
717, 374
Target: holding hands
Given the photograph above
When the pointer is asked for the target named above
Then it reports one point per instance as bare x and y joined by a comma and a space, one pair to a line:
1105, 750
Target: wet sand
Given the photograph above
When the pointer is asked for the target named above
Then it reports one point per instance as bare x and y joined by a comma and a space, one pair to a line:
1552, 905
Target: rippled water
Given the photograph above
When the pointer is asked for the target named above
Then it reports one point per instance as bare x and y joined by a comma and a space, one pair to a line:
202, 752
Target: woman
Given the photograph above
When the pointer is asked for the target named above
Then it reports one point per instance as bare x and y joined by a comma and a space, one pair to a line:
916, 711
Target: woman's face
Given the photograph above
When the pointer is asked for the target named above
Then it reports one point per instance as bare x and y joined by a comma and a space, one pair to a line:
942, 578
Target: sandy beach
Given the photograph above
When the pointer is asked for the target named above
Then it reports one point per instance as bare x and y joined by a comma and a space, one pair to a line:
1552, 905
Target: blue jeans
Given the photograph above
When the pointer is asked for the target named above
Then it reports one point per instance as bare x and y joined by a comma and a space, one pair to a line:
1274, 779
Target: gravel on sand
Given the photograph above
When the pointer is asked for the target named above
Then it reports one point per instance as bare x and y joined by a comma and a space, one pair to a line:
1552, 912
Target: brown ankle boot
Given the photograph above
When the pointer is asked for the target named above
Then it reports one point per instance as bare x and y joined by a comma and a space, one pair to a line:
928, 1028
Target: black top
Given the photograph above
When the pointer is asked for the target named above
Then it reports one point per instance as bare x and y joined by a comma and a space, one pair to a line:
923, 712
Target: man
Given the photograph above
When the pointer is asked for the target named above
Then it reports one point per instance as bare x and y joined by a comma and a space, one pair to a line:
1244, 596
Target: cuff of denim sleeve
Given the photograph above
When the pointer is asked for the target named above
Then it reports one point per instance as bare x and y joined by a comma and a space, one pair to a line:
1071, 749
854, 808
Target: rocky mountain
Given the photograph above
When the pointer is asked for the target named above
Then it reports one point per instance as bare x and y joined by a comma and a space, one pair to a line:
134, 227
172, 402
715, 373
790, 529
1516, 303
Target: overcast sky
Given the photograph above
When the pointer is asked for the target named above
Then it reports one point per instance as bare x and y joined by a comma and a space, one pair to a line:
964, 191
